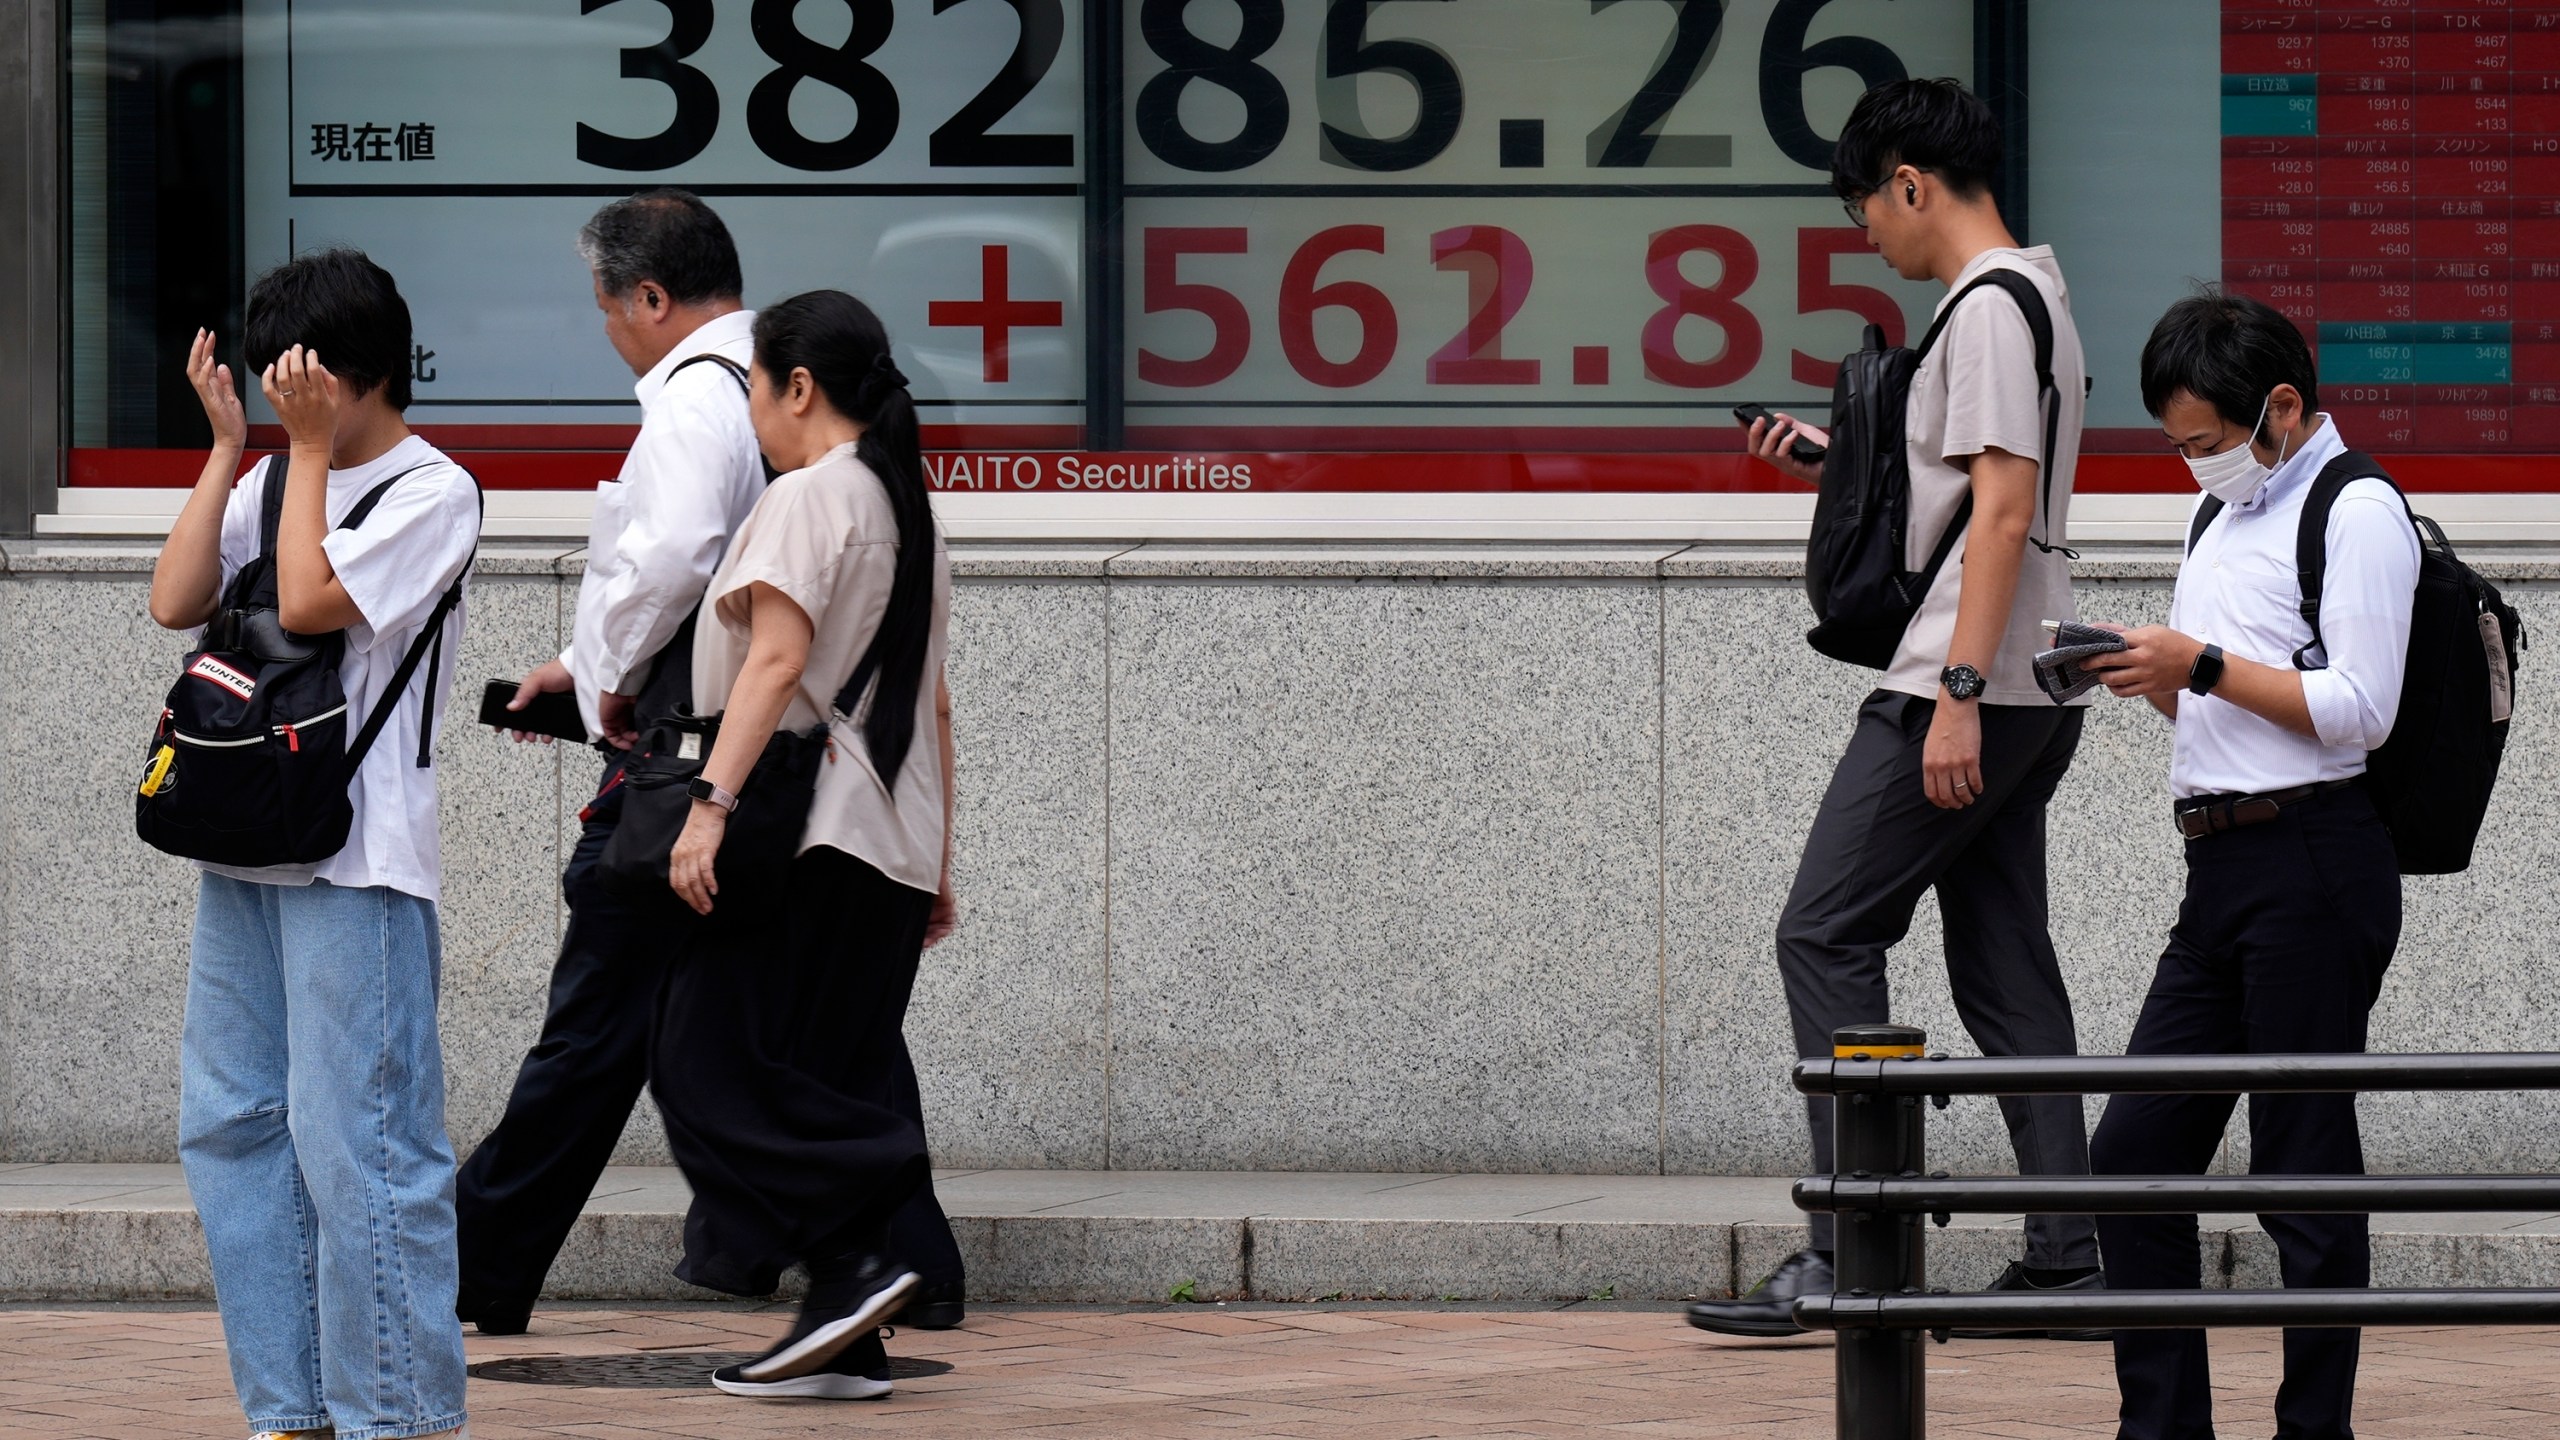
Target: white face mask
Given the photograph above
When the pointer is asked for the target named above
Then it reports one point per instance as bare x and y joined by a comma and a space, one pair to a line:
2234, 477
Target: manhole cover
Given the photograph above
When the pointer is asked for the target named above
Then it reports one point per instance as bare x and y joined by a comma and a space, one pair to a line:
686, 1370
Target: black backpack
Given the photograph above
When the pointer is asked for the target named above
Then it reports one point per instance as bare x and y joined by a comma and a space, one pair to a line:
2431, 779
250, 764
1863, 598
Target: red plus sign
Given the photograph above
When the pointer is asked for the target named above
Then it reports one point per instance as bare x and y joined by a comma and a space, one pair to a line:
996, 313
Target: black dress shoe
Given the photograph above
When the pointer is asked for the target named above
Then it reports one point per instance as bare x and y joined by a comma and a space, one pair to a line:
1770, 1308
2016, 1281
937, 1307
494, 1317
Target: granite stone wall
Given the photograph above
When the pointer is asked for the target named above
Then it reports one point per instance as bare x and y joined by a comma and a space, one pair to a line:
1349, 859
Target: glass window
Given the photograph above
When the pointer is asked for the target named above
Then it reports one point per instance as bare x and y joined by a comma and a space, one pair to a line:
1418, 245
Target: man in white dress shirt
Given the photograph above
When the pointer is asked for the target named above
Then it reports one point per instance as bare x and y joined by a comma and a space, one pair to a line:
667, 280
2292, 906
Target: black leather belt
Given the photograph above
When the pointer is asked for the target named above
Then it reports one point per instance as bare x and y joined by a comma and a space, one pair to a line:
2201, 815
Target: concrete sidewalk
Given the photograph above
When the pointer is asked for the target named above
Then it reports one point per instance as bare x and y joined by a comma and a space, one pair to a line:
1180, 1372
124, 1232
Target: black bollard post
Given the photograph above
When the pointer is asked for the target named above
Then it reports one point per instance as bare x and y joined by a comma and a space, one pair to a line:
1880, 1373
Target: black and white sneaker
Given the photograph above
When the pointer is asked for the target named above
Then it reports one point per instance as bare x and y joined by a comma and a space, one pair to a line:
861, 1372
848, 1299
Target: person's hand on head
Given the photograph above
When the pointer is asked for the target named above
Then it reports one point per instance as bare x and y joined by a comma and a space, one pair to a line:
548, 678
1770, 441
214, 390
305, 397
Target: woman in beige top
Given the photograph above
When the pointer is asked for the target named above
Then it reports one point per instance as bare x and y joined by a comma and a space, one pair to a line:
777, 1047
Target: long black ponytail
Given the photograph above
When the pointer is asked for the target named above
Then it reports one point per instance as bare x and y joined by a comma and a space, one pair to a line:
845, 349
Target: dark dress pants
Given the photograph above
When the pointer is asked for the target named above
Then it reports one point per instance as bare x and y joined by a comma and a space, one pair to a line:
776, 1063
521, 1192
2280, 947
1876, 846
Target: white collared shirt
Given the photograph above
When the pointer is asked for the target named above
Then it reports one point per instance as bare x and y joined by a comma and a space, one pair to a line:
661, 527
2241, 589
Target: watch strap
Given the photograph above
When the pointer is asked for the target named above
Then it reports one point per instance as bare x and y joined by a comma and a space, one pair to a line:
701, 788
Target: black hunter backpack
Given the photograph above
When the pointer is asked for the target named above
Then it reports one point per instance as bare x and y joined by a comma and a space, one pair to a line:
1863, 598
2431, 779
250, 764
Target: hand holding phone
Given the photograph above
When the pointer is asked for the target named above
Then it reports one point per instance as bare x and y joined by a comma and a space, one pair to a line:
553, 714
1810, 445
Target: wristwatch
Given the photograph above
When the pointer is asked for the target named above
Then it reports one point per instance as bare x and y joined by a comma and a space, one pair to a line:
701, 788
2207, 672
1963, 682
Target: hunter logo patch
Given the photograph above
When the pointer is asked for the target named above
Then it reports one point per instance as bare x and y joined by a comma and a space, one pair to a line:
208, 668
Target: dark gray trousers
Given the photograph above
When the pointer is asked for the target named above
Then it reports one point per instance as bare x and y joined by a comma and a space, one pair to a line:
1876, 845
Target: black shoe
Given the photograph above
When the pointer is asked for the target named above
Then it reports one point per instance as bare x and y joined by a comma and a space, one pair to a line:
494, 1317
2016, 1281
937, 1307
1770, 1308
848, 1298
860, 1373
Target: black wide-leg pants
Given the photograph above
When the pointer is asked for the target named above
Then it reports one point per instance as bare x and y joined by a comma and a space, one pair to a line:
2280, 948
777, 1063
1876, 846
521, 1191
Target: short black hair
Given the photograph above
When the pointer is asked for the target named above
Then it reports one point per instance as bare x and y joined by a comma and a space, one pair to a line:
666, 235
2230, 351
341, 304
1936, 125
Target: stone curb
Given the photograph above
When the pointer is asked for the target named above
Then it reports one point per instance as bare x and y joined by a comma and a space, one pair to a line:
96, 1253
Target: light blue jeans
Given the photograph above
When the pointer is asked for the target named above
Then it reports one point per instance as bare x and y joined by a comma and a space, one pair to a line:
311, 1123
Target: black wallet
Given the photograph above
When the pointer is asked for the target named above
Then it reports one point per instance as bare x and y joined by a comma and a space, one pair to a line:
2058, 670
555, 714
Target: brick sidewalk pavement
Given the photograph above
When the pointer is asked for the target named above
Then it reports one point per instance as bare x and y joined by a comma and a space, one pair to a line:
1376, 1373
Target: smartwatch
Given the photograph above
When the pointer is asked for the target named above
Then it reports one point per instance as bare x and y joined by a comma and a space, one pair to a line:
2207, 672
701, 788
1963, 682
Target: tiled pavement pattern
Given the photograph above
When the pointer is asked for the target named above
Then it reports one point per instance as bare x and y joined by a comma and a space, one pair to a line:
1374, 1373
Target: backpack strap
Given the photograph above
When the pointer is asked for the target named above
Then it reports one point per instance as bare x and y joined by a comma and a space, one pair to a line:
429, 646
2205, 514
2311, 541
2039, 320
736, 371
271, 506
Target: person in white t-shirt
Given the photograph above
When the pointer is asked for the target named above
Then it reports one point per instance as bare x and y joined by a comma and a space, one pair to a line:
311, 1109
1957, 753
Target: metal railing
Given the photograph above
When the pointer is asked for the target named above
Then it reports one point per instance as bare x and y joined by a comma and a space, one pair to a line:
1881, 1081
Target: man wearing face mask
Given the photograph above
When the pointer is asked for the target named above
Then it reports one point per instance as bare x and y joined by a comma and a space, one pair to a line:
2292, 904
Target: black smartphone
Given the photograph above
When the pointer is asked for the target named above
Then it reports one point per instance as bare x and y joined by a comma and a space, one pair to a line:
1804, 451
555, 714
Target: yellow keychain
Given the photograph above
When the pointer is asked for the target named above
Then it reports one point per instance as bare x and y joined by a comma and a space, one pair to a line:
155, 776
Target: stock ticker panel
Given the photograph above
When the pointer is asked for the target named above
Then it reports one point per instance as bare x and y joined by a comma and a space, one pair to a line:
2391, 180
1436, 225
